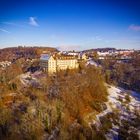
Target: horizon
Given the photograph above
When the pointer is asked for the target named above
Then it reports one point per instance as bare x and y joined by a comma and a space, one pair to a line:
69, 24
69, 50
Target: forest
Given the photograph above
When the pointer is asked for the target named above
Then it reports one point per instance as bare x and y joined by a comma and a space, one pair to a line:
125, 74
58, 108
27, 52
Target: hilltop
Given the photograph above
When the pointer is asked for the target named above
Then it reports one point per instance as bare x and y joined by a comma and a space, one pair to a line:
28, 52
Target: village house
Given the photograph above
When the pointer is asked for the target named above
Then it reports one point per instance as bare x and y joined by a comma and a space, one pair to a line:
82, 56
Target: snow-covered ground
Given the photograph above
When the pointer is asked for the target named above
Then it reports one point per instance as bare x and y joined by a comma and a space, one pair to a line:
115, 98
90, 61
28, 79
115, 94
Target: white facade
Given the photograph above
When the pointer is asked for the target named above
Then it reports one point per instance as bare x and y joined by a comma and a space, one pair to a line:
103, 53
73, 53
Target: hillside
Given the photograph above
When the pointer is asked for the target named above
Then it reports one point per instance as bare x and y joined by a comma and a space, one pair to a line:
51, 107
70, 105
14, 53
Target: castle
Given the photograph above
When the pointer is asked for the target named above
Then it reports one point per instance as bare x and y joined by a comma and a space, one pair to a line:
56, 62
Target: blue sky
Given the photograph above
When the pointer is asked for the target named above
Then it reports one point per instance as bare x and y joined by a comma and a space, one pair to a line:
70, 24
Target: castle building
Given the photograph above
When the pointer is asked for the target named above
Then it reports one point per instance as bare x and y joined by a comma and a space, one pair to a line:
54, 63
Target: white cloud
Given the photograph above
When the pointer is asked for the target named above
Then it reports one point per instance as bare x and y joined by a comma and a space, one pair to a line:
98, 38
32, 21
3, 30
134, 27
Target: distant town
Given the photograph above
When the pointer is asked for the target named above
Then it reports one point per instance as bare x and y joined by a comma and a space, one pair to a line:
52, 61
